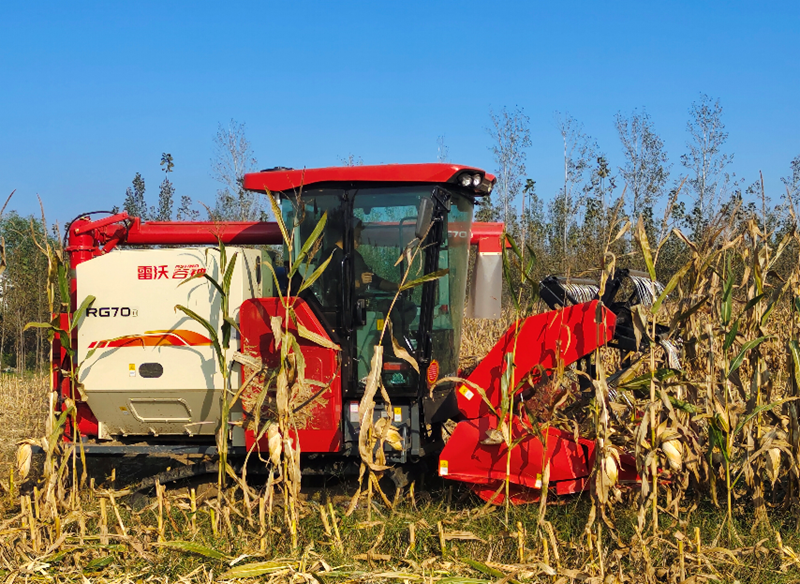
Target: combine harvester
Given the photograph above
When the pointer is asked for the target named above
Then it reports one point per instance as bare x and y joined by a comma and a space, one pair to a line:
148, 379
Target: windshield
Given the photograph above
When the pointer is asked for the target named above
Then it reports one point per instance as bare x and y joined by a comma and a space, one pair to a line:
385, 225
448, 310
367, 239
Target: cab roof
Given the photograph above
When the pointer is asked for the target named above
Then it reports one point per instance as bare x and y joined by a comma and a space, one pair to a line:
288, 179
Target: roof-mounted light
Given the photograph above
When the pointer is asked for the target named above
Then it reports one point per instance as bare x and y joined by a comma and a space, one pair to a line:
466, 180
476, 180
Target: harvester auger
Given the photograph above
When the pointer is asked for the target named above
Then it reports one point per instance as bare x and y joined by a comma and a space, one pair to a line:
146, 379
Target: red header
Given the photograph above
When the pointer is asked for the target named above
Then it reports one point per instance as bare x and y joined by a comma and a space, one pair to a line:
287, 180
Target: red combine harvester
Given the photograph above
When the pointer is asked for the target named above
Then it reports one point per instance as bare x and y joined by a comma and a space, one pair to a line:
148, 381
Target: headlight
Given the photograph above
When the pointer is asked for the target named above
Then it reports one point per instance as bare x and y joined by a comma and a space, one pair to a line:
466, 180
476, 180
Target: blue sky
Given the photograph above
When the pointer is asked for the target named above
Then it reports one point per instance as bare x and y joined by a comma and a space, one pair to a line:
93, 92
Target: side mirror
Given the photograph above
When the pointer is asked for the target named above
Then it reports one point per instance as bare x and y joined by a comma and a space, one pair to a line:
424, 216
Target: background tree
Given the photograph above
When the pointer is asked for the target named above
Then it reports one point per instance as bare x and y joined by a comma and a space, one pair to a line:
442, 151
351, 160
708, 182
134, 202
646, 169
186, 210
510, 135
602, 216
23, 293
233, 158
166, 191
533, 224
791, 197
579, 152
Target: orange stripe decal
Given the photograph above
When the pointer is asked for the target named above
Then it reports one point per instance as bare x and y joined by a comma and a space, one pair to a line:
168, 338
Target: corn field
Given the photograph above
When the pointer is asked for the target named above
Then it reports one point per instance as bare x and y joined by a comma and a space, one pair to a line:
716, 442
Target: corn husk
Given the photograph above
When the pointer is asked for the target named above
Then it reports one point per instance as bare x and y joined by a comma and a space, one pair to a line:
275, 444
673, 450
24, 457
773, 464
610, 470
383, 427
493, 437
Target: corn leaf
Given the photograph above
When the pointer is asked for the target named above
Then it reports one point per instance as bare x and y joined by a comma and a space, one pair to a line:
194, 548
63, 283
683, 405
513, 244
484, 569
254, 569
223, 255
426, 278
87, 302
232, 323
752, 302
726, 310
201, 275
211, 331
399, 351
731, 336
642, 382
737, 361
509, 278
794, 348
44, 325
641, 238
670, 286
313, 237
226, 279
309, 335
276, 210
307, 282
684, 315
99, 562
760, 409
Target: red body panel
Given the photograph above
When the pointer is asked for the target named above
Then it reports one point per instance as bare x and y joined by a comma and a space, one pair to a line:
87, 423
289, 180
203, 233
570, 333
319, 422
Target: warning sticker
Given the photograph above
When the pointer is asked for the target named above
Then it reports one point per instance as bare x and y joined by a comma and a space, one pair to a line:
398, 415
433, 372
442, 468
466, 392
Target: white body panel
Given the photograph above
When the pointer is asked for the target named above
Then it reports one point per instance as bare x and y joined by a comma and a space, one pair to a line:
147, 368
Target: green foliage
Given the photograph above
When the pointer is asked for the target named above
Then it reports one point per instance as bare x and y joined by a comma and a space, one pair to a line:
24, 291
134, 202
